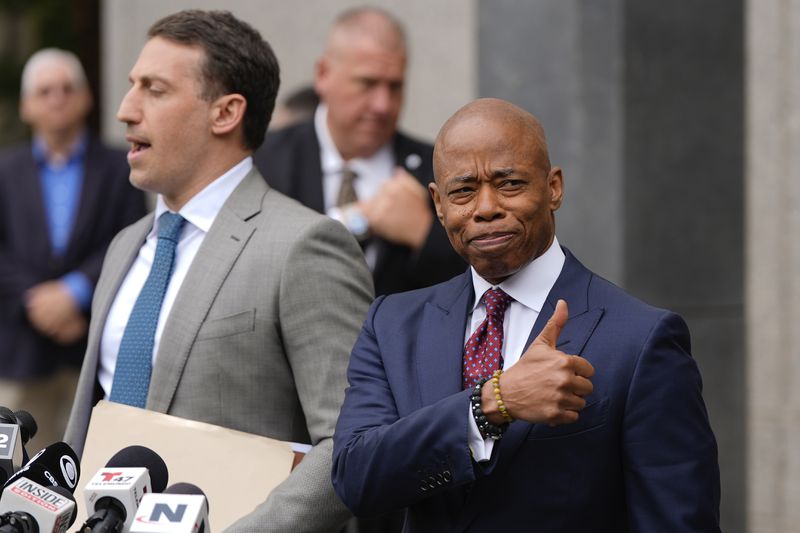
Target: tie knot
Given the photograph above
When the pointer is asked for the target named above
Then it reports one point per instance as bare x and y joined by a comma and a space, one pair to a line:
496, 302
348, 175
169, 226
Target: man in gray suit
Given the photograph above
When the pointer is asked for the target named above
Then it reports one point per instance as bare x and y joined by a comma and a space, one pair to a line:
261, 299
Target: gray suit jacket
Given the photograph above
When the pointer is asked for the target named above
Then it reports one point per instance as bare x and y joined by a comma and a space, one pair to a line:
257, 340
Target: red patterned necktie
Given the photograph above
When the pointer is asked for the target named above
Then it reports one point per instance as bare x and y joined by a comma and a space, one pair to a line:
483, 353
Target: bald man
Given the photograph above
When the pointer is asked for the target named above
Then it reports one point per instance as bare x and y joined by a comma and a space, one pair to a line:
527, 394
63, 197
351, 163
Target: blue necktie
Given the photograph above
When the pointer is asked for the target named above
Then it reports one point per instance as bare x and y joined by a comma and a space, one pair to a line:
134, 360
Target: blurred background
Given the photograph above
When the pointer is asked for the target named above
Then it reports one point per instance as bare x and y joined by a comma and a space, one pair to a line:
675, 123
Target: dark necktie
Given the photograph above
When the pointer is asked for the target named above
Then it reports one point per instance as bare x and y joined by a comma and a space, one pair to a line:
347, 191
484, 349
134, 360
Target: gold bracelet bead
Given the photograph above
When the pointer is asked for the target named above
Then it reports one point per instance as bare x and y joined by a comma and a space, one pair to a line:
501, 406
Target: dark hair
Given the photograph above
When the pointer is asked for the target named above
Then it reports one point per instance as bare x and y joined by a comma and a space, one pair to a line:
237, 60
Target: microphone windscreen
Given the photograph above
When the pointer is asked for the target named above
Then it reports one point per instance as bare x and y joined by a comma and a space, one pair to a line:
7, 415
141, 456
68, 495
56, 464
186, 488
27, 424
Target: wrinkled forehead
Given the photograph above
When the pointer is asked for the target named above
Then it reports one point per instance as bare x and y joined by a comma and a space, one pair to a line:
483, 138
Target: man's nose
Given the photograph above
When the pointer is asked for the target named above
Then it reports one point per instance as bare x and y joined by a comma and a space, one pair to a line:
487, 205
381, 99
129, 111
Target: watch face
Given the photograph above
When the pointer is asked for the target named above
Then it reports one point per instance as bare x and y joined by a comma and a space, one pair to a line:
357, 223
360, 226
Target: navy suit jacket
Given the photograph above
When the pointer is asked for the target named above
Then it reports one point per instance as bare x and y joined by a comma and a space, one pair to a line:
289, 161
107, 204
641, 458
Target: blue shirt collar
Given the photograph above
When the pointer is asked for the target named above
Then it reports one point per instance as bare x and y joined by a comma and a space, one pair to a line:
78, 151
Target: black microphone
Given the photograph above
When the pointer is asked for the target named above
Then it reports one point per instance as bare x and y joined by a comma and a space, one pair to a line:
55, 465
16, 429
115, 492
182, 508
27, 506
27, 425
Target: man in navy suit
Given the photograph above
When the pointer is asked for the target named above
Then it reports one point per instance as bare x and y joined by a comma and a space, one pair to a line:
352, 163
63, 197
527, 394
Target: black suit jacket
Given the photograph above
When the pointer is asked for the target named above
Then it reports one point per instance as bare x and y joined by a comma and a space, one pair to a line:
108, 203
289, 160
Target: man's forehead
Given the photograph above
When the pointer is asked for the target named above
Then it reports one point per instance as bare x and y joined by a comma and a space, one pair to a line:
52, 71
163, 56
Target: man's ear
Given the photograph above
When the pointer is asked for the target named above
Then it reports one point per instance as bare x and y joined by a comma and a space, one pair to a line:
321, 70
555, 184
433, 188
227, 113
24, 112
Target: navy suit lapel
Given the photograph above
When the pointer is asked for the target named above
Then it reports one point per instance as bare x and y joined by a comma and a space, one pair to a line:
33, 210
441, 337
571, 286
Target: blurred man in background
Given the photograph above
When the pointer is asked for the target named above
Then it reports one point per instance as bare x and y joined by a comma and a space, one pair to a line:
351, 163
63, 196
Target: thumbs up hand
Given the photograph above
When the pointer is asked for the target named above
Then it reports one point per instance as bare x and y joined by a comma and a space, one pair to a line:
545, 385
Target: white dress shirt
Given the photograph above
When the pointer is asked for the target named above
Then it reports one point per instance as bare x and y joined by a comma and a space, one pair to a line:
199, 213
529, 289
372, 173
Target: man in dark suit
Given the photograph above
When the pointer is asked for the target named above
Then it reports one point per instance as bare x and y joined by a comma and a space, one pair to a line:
63, 196
527, 394
351, 163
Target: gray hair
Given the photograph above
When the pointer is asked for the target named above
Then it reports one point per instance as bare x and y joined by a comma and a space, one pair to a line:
46, 57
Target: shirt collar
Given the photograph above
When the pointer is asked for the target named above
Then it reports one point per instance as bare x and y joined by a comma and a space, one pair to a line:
531, 285
204, 207
330, 158
77, 151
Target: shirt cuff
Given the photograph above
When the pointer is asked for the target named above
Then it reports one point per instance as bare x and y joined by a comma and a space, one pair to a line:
481, 448
80, 288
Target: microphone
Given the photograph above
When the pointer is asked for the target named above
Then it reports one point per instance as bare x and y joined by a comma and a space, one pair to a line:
55, 465
27, 506
16, 429
182, 508
115, 492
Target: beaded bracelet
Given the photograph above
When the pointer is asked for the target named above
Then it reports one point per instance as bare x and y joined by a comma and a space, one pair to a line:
501, 406
486, 428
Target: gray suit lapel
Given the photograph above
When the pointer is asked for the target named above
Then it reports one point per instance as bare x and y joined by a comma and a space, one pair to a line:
214, 260
117, 264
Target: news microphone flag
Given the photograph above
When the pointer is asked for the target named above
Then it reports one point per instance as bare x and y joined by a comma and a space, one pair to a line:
112, 497
52, 511
171, 513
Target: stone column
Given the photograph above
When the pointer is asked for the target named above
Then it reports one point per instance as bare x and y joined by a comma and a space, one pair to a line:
773, 264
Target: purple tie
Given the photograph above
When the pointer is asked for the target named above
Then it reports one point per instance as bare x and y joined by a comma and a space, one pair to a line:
483, 353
